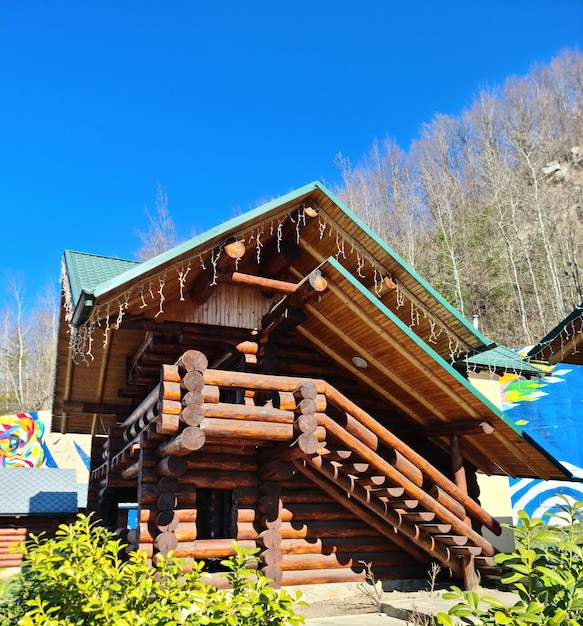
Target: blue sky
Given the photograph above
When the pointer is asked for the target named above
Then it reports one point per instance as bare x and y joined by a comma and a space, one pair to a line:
225, 104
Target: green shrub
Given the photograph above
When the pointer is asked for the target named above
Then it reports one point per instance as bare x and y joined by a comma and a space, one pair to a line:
545, 571
78, 578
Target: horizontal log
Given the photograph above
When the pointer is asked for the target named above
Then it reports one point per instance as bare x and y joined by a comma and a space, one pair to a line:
317, 530
14, 532
170, 373
341, 560
148, 494
192, 414
168, 424
131, 471
193, 361
165, 542
184, 531
236, 445
150, 515
275, 470
172, 466
364, 546
315, 513
190, 439
220, 461
209, 393
243, 429
321, 577
252, 413
261, 382
285, 400
16, 561
193, 382
258, 282
209, 548
171, 391
219, 479
303, 496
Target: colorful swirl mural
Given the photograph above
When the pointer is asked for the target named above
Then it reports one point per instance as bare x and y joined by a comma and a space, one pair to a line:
550, 410
21, 441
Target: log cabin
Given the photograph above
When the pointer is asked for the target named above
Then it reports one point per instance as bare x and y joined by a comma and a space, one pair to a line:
287, 382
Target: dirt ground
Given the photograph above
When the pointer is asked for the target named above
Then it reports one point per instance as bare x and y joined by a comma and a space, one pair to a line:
348, 605
359, 603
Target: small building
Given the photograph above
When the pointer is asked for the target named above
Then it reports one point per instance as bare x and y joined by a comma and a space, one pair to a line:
36, 500
285, 381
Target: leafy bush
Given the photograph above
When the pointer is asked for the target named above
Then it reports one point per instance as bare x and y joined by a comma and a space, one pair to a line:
78, 578
546, 572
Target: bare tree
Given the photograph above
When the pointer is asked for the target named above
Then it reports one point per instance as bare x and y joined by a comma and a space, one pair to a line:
27, 351
161, 234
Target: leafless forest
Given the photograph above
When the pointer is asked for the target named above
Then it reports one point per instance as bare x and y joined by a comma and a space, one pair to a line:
486, 206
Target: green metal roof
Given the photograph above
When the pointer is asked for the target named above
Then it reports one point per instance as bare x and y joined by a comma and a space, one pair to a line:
87, 271
562, 332
499, 358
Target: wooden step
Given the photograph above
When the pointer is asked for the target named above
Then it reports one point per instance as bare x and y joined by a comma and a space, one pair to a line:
387, 493
371, 480
417, 516
403, 503
441, 529
466, 550
451, 540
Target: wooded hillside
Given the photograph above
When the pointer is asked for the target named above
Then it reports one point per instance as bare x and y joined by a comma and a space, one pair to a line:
488, 205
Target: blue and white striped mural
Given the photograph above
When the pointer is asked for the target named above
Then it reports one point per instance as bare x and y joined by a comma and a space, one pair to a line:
550, 410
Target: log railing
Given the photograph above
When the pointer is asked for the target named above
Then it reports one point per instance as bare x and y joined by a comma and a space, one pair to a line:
354, 454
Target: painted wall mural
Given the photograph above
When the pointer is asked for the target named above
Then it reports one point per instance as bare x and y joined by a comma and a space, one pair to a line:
550, 410
26, 441
22, 441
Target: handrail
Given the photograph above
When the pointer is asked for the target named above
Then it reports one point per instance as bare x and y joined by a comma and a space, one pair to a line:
341, 402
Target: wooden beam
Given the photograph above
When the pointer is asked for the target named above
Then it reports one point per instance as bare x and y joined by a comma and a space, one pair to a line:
463, 428
259, 282
231, 251
309, 287
102, 408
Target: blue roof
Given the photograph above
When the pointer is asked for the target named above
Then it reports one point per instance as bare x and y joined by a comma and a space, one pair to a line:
38, 491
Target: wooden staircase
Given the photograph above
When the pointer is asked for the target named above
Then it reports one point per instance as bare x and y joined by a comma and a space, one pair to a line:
366, 463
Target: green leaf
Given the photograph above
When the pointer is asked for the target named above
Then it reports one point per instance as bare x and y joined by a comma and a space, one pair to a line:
444, 619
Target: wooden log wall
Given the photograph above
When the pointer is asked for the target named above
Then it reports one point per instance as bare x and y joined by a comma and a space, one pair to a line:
323, 542
14, 530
